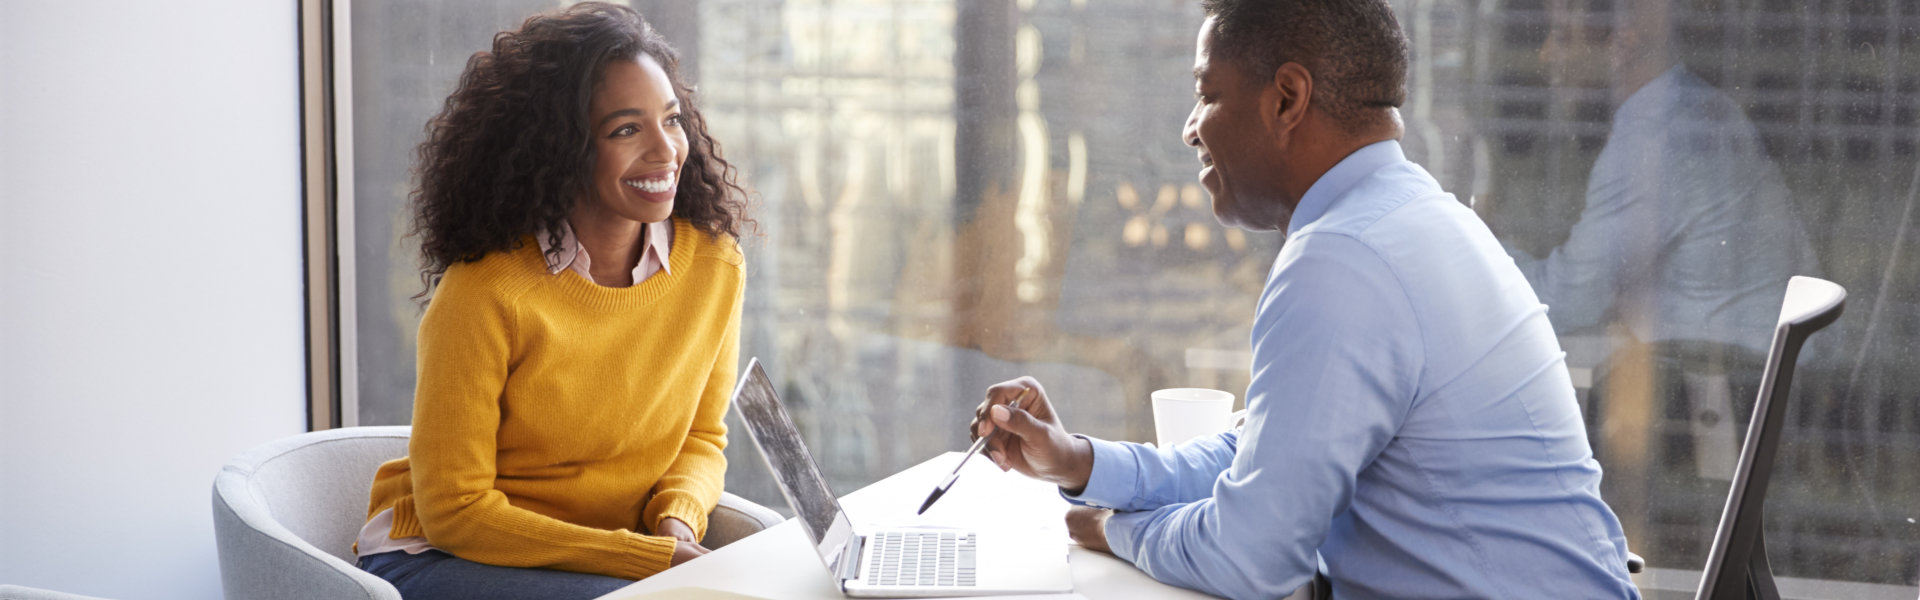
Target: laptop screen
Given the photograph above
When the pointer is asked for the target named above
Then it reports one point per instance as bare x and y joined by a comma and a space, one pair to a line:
793, 467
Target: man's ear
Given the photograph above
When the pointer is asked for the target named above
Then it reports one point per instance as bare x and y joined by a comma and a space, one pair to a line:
1285, 101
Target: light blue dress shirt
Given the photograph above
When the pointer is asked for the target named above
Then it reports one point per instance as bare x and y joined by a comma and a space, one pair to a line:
1411, 420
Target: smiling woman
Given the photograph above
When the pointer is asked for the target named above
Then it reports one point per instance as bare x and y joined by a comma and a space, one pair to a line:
526, 135
573, 215
639, 143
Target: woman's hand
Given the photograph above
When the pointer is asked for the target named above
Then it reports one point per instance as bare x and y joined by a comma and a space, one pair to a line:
677, 529
688, 548
686, 551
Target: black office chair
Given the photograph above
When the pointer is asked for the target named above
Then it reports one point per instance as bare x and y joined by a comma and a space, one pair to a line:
1695, 395
1737, 565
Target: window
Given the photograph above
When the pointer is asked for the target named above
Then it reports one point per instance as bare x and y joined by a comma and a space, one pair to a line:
1668, 162
953, 193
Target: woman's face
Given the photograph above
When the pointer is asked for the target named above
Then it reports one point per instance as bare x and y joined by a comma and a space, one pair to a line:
638, 141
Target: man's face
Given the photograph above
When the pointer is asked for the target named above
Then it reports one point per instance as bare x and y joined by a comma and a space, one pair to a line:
1574, 54
1239, 163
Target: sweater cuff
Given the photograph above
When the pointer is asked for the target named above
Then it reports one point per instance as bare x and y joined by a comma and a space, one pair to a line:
679, 505
649, 554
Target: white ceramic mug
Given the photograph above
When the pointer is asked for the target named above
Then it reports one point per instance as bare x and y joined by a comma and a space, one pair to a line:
1181, 414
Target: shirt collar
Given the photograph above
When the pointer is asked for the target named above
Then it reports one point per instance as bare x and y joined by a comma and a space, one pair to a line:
659, 246
660, 243
1341, 178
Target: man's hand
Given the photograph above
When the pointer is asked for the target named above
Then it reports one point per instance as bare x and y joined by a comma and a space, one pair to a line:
676, 529
1035, 443
686, 551
1088, 527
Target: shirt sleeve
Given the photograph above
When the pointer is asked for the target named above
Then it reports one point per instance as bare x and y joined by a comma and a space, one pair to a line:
1336, 359
1129, 476
465, 348
1618, 238
691, 486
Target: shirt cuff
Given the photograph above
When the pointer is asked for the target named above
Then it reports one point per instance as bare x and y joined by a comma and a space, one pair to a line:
1114, 479
1123, 533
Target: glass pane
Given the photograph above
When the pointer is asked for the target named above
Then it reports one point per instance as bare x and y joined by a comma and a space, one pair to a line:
406, 57
1659, 169
937, 222
952, 193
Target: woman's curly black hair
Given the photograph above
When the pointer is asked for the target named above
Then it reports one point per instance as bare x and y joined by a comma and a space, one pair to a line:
511, 151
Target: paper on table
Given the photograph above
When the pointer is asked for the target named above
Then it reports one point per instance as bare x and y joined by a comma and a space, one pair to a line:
687, 593
699, 593
976, 501
1026, 597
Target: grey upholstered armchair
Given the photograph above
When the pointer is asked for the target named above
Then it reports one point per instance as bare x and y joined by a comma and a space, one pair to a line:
286, 514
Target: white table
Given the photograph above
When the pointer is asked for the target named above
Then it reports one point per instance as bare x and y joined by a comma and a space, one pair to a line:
780, 562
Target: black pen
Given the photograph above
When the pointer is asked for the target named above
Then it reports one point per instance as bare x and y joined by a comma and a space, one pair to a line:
977, 445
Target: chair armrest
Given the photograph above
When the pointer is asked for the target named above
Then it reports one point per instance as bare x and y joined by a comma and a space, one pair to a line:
14, 592
1635, 564
737, 518
260, 559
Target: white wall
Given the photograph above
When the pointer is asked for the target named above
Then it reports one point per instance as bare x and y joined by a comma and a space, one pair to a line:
150, 281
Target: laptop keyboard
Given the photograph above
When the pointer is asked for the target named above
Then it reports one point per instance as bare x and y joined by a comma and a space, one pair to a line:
921, 559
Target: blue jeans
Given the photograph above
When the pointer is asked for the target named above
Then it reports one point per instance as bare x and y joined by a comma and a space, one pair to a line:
433, 575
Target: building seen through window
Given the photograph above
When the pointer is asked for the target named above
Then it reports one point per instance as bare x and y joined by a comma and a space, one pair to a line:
952, 193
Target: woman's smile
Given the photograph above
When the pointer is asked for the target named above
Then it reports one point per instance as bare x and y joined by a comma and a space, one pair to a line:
658, 186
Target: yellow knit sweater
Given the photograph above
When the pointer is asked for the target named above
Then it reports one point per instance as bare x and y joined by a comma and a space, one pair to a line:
555, 420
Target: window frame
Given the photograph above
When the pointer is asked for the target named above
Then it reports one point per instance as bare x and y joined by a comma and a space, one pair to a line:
326, 154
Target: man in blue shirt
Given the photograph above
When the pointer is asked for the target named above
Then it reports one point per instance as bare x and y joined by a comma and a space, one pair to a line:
1411, 420
1689, 231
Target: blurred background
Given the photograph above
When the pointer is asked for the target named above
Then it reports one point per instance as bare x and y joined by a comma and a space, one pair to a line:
952, 193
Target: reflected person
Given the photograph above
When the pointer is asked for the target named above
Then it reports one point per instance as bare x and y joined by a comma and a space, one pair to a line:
1689, 233
1411, 421
576, 359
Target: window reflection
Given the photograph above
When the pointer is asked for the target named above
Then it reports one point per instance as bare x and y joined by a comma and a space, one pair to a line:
1683, 249
1658, 169
955, 192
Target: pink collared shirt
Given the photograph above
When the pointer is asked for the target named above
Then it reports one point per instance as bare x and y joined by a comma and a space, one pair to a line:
653, 259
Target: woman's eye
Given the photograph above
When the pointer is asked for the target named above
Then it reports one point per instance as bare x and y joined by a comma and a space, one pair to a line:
676, 120
624, 131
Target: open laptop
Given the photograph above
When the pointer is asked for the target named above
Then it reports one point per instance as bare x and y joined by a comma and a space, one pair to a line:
894, 563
